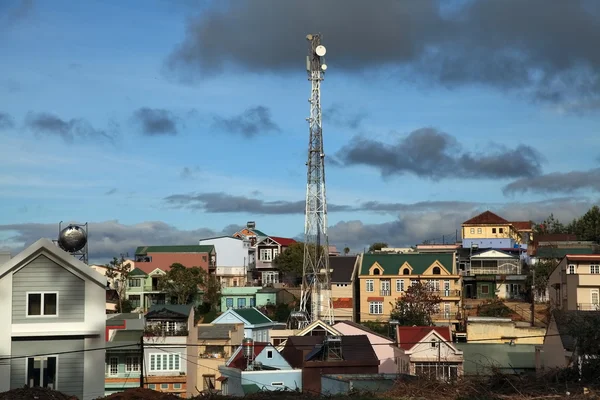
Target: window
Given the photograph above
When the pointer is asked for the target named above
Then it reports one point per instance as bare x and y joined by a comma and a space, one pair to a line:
594, 269
134, 282
276, 383
241, 302
41, 372
208, 382
164, 362
595, 297
472, 230
151, 386
399, 285
252, 302
376, 307
235, 283
406, 271
485, 289
436, 271
414, 282
44, 304
229, 302
370, 285
265, 254
269, 354
501, 230
571, 269
177, 386
478, 230
164, 385
376, 271
135, 300
433, 343
275, 253
386, 285
113, 366
132, 364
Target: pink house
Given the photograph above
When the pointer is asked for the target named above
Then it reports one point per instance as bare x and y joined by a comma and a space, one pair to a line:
383, 346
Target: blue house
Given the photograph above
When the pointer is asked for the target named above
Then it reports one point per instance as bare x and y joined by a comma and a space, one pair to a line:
261, 369
256, 324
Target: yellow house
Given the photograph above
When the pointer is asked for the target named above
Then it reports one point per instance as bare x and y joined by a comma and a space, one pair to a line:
575, 283
488, 225
383, 278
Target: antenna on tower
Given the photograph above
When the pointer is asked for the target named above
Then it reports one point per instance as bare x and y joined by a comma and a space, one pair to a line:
315, 297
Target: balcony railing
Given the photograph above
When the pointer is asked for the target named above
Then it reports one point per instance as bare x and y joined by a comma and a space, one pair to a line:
588, 307
385, 292
157, 330
446, 293
151, 288
445, 315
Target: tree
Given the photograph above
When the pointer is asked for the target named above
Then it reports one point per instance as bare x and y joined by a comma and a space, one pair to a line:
117, 271
182, 283
543, 268
416, 306
290, 260
587, 227
212, 290
124, 306
346, 250
550, 225
377, 246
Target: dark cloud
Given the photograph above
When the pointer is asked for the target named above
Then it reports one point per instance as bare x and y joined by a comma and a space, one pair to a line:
111, 192
430, 153
68, 130
543, 48
6, 121
557, 182
110, 238
252, 122
155, 121
338, 115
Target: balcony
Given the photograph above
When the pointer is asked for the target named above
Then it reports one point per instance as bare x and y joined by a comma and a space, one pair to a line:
264, 264
231, 271
446, 293
385, 292
588, 307
151, 288
159, 330
452, 315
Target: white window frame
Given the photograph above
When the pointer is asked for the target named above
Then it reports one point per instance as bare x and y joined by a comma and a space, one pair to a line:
159, 363
42, 358
110, 365
132, 364
376, 307
266, 255
594, 269
479, 231
269, 354
370, 285
177, 386
573, 268
164, 386
42, 315
399, 285
134, 282
414, 282
275, 253
472, 230
597, 293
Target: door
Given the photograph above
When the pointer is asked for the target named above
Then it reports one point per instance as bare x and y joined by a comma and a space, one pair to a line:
447, 310
595, 297
446, 288
386, 287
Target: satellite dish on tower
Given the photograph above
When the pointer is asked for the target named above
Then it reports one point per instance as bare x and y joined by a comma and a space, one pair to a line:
320, 50
72, 239
324, 67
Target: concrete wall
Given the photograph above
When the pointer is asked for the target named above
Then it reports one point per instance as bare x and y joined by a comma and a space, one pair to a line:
291, 379
492, 332
383, 347
162, 260
489, 243
230, 251
553, 354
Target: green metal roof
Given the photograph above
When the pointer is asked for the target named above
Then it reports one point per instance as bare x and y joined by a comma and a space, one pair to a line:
251, 388
182, 309
480, 358
194, 248
258, 233
391, 263
553, 252
252, 315
137, 272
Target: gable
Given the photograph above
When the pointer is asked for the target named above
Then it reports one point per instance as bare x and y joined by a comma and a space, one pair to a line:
492, 254
425, 346
229, 317
437, 267
392, 264
319, 325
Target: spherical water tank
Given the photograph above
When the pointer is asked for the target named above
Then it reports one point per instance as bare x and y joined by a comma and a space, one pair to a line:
73, 238
248, 347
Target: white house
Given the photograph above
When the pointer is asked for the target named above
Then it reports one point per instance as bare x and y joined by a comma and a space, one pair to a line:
257, 325
53, 314
233, 259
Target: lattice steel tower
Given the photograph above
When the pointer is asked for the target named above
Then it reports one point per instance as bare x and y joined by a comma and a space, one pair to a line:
315, 299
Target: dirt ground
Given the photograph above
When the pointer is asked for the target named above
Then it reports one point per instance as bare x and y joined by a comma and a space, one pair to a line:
34, 394
141, 394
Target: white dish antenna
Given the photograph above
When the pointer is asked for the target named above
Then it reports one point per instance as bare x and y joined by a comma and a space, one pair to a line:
324, 67
320, 50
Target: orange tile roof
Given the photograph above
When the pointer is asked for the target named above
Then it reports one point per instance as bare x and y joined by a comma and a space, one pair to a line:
342, 302
522, 225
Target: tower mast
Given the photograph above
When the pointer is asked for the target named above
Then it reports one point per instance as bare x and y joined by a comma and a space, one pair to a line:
315, 299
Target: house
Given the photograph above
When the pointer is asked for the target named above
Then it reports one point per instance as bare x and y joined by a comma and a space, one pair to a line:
342, 275
53, 311
123, 352
383, 346
168, 352
258, 366
493, 330
328, 355
348, 384
315, 328
233, 264
216, 344
488, 230
112, 282
256, 324
498, 358
266, 250
428, 351
575, 283
254, 296
494, 273
151, 258
385, 277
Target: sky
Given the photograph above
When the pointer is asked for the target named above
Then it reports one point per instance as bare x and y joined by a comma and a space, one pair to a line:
164, 122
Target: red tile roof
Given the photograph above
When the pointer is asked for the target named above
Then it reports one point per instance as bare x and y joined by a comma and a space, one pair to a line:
487, 217
522, 225
583, 257
409, 336
342, 302
283, 241
239, 361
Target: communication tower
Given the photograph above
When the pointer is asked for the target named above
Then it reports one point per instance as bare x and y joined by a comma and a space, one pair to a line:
315, 298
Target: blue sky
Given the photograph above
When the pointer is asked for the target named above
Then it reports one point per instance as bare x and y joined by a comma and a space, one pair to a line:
163, 122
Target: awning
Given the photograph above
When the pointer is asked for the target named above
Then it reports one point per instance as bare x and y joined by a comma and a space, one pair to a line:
222, 379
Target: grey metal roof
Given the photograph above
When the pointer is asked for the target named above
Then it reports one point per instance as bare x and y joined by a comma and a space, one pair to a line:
341, 268
566, 319
216, 331
483, 358
176, 308
127, 335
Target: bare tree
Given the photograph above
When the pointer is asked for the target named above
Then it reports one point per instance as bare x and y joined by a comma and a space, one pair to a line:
117, 271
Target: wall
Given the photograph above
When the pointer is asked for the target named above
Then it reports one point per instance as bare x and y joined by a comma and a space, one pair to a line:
276, 359
151, 348
383, 347
487, 232
489, 243
230, 251
553, 353
43, 274
313, 370
291, 379
123, 379
332, 385
236, 293
492, 332
5, 335
163, 260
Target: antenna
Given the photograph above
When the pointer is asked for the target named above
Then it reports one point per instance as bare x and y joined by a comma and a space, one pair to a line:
315, 297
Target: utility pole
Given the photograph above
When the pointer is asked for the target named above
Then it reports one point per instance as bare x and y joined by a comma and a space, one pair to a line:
533, 298
437, 367
142, 361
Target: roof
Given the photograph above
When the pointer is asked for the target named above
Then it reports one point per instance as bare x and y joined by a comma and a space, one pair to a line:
479, 357
522, 225
47, 248
554, 252
252, 315
486, 218
582, 257
342, 302
239, 361
194, 248
419, 262
215, 331
564, 322
363, 328
354, 348
123, 316
283, 241
409, 336
341, 268
159, 311
257, 232
137, 272
127, 335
